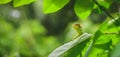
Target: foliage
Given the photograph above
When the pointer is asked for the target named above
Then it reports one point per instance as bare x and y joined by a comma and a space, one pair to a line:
104, 38
17, 3
4, 1
50, 6
83, 8
105, 42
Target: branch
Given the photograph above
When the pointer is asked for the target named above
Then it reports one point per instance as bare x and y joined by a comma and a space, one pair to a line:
102, 8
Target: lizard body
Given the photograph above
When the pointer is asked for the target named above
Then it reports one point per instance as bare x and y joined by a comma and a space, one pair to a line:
78, 29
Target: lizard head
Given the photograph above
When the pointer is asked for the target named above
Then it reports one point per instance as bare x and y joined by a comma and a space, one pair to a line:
76, 26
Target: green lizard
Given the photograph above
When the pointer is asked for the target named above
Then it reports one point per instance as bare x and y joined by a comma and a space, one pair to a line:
78, 29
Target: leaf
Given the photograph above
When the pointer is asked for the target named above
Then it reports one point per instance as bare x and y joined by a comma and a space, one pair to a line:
97, 52
97, 35
101, 50
87, 48
105, 38
83, 8
76, 50
17, 3
67, 46
50, 6
105, 3
105, 46
110, 26
102, 43
4, 1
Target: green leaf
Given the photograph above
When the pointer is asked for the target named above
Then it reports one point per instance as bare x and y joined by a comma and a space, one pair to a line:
50, 6
103, 26
102, 43
4, 1
105, 46
70, 45
17, 3
100, 51
110, 26
95, 52
83, 8
97, 35
105, 3
106, 38
77, 50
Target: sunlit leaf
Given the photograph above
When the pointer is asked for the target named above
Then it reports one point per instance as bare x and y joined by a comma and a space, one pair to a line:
83, 8
97, 52
4, 1
17, 3
105, 3
50, 6
103, 39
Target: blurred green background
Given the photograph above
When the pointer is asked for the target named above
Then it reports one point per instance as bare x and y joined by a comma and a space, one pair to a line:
27, 32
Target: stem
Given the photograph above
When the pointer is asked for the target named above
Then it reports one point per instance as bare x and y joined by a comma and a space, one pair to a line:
89, 49
111, 33
102, 8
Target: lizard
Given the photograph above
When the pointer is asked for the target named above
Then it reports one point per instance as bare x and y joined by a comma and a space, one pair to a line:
77, 27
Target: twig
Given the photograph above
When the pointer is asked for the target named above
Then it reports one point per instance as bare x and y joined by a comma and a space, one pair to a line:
102, 8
